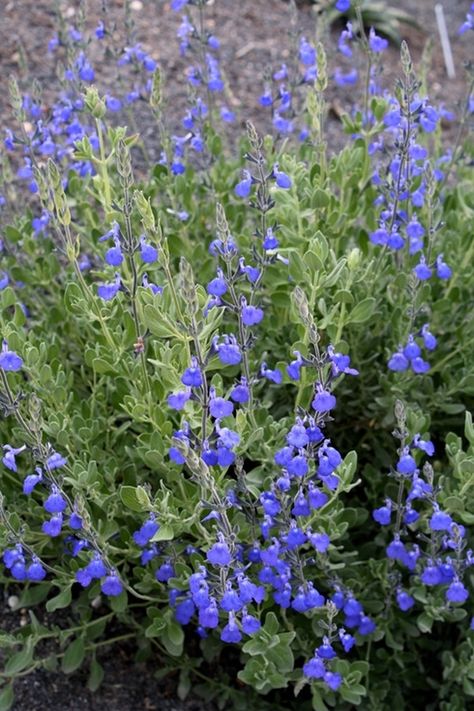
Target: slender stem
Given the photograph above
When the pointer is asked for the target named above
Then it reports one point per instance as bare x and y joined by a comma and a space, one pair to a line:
103, 168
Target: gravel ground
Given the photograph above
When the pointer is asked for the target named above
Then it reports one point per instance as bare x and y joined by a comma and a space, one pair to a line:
253, 36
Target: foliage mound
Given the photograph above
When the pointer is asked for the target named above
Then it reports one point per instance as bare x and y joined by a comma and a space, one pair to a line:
236, 380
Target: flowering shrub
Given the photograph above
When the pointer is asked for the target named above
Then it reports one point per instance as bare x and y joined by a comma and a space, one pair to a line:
227, 383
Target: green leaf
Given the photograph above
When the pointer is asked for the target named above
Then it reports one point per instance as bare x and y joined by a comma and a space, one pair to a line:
271, 625
73, 656
469, 428
8, 297
60, 601
425, 622
20, 660
159, 324
135, 498
164, 533
184, 686
362, 311
119, 603
96, 675
7, 697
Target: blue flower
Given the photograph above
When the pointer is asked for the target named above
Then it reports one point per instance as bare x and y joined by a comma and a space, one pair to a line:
231, 633
406, 464
419, 365
53, 526
84, 68
30, 481
55, 461
404, 600
243, 188
148, 253
343, 5
100, 30
192, 376
457, 592
325, 650
323, 401
112, 103
412, 349
35, 572
220, 407
383, 514
440, 521
428, 339
377, 44
425, 445
228, 351
442, 269
320, 541
265, 99
251, 315
333, 680
218, 285
240, 392
209, 616
178, 400
165, 572
250, 624
96, 568
111, 585
274, 376
75, 521
9, 457
347, 640
422, 270
230, 600
346, 78
9, 360
307, 53
282, 179
146, 532
396, 550
431, 575
398, 362
219, 553
314, 669
345, 36
108, 291
55, 503
297, 436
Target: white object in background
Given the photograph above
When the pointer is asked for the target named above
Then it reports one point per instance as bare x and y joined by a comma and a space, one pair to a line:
445, 43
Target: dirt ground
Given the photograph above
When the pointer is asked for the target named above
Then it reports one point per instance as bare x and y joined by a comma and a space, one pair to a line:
253, 36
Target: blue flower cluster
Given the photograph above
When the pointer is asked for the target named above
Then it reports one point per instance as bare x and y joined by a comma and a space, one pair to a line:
410, 355
21, 568
281, 90
115, 256
55, 131
417, 515
24, 565
205, 82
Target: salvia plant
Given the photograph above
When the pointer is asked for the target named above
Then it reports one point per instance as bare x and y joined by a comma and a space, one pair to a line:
236, 376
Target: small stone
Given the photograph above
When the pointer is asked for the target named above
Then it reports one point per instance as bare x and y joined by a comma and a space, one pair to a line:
13, 601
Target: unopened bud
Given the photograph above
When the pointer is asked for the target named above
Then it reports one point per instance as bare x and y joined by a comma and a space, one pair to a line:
156, 96
93, 103
354, 258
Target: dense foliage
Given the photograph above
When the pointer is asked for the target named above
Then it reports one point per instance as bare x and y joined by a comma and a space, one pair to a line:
228, 381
